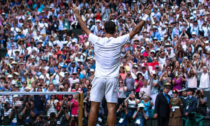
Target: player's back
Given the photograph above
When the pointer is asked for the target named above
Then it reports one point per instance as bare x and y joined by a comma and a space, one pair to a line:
107, 54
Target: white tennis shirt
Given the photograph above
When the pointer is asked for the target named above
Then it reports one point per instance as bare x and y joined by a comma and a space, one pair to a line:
107, 54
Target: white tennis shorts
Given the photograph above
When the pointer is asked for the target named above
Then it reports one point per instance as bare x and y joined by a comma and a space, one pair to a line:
107, 87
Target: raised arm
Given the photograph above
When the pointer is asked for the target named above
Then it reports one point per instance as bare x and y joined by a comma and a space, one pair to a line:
139, 26
81, 22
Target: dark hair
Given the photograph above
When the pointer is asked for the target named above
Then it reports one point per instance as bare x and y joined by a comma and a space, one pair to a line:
110, 27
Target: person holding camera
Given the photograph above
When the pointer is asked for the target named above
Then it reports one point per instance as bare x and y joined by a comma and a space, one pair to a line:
5, 120
192, 78
140, 115
176, 106
131, 101
201, 102
204, 80
40, 121
15, 115
177, 81
145, 100
63, 115
124, 114
29, 113
52, 120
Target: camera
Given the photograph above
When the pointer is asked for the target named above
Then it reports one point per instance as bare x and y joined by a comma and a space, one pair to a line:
41, 117
141, 108
123, 106
64, 108
29, 104
16, 107
198, 92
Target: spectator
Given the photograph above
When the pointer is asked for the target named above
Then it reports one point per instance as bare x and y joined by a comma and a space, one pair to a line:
129, 83
138, 83
201, 102
175, 110
147, 105
122, 93
162, 106
40, 121
140, 115
124, 113
189, 105
51, 106
29, 113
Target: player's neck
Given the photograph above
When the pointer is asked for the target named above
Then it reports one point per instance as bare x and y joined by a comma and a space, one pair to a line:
109, 35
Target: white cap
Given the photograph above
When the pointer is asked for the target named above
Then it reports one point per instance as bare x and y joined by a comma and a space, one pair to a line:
41, 77
15, 96
32, 57
141, 105
152, 51
10, 76
200, 48
98, 20
61, 86
13, 62
13, 82
207, 42
147, 39
193, 33
73, 41
92, 70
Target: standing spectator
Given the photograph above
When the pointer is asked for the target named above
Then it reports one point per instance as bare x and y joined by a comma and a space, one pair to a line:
192, 78
129, 83
51, 106
201, 102
162, 106
204, 81
138, 83
175, 110
189, 105
122, 93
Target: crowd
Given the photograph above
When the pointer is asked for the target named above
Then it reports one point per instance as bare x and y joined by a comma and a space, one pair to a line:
166, 65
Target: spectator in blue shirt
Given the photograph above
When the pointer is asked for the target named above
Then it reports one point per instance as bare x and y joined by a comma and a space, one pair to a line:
10, 43
19, 35
124, 115
156, 33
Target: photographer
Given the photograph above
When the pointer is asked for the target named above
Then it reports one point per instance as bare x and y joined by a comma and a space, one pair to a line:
140, 115
39, 120
7, 110
29, 113
52, 120
15, 115
63, 115
124, 114
201, 102
131, 102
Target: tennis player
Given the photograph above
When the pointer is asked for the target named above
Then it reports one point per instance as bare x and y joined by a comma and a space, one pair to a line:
107, 53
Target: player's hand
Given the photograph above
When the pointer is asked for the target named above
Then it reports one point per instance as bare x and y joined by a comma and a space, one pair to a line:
75, 9
147, 10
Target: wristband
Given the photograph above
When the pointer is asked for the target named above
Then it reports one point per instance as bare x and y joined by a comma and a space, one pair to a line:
145, 17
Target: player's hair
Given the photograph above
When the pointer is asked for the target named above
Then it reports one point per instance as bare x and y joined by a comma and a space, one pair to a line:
110, 27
